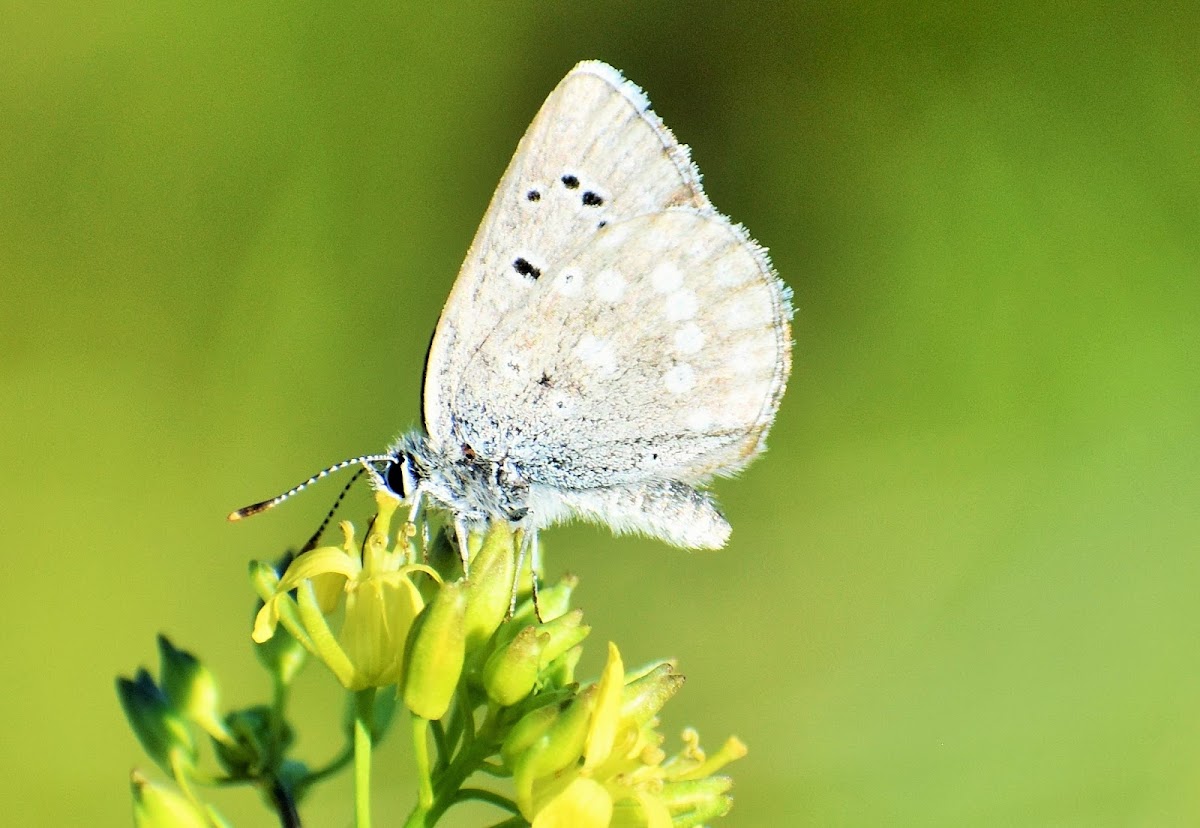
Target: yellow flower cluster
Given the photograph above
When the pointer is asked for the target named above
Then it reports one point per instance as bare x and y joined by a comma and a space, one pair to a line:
598, 762
493, 686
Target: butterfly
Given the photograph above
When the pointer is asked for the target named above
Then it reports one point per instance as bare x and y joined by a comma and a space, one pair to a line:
612, 342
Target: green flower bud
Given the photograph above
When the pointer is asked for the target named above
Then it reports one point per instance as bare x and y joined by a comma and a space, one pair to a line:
641, 811
282, 656
162, 731
561, 671
558, 747
553, 601
258, 738
155, 806
643, 697
511, 671
531, 727
489, 589
265, 579
434, 658
564, 632
291, 774
190, 687
697, 801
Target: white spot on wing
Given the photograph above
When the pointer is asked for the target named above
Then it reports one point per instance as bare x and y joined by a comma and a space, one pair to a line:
666, 277
689, 338
680, 305
680, 379
609, 285
597, 354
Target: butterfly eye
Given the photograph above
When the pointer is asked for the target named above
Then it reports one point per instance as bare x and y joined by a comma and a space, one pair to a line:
394, 477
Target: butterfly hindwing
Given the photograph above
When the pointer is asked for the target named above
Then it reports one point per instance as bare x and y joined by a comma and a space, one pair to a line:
657, 351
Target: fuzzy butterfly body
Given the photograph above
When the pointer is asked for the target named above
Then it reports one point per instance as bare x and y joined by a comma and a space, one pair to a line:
612, 342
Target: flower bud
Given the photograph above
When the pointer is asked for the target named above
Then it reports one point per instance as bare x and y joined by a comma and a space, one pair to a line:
561, 671
291, 773
641, 810
161, 730
559, 746
643, 697
257, 736
700, 800
190, 687
528, 730
553, 601
511, 671
489, 589
434, 657
155, 806
564, 632
282, 656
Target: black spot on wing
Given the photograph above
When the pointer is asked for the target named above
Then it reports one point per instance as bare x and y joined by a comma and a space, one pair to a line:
523, 267
533, 195
570, 182
590, 199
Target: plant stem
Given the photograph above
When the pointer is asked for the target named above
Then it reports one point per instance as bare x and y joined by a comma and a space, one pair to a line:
336, 764
490, 797
421, 755
285, 805
443, 745
514, 822
364, 714
435, 795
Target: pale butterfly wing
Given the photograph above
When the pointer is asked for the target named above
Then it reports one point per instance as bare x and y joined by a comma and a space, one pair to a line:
594, 155
658, 351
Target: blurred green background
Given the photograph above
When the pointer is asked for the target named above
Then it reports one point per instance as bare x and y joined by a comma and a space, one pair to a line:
962, 585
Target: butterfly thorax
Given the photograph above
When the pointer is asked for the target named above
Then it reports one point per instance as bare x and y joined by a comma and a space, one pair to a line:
473, 488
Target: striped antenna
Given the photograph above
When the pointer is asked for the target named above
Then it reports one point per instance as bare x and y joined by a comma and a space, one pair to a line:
316, 536
255, 508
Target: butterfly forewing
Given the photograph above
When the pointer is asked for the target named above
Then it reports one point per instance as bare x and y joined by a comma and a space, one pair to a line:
659, 350
595, 155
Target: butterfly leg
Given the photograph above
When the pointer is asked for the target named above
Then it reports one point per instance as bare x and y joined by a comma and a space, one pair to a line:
535, 568
528, 540
460, 531
414, 510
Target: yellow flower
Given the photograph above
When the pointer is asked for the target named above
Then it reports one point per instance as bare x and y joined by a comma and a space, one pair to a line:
619, 777
381, 602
